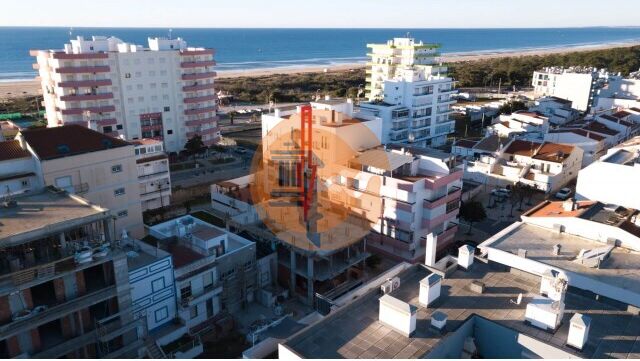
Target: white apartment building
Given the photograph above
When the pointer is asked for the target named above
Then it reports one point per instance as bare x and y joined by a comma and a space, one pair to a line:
545, 166
519, 122
592, 144
214, 269
614, 178
415, 106
165, 91
577, 84
558, 110
153, 173
396, 54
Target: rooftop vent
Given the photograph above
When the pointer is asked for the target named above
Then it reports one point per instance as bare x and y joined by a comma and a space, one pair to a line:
62, 149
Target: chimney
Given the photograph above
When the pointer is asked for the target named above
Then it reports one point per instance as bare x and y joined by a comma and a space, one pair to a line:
578, 331
556, 250
430, 254
569, 205
465, 256
430, 287
398, 315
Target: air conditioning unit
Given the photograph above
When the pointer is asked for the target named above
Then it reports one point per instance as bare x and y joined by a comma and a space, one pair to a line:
386, 287
395, 283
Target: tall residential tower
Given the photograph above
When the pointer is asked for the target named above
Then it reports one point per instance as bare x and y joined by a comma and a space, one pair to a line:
165, 91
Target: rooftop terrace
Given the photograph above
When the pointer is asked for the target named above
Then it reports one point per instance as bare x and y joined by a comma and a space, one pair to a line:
46, 211
354, 331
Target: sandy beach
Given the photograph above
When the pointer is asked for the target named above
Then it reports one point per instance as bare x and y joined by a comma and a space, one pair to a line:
13, 89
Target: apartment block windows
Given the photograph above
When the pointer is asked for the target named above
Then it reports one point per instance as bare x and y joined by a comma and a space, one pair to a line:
185, 292
116, 168
161, 314
127, 75
157, 285
194, 311
453, 205
166, 109
119, 192
122, 214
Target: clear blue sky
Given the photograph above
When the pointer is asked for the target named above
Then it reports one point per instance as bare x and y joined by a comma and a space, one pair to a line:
321, 13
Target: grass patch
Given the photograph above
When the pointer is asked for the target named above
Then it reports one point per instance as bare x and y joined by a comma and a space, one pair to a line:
209, 218
182, 166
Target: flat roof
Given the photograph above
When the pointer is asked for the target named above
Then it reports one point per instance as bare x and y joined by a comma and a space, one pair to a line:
353, 331
45, 211
382, 159
619, 269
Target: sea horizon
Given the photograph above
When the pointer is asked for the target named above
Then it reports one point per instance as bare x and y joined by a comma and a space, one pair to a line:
244, 49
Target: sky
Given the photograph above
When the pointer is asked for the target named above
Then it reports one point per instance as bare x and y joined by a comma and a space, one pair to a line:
321, 13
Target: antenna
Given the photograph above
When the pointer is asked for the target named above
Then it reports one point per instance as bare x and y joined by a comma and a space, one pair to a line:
70, 33
408, 34
170, 31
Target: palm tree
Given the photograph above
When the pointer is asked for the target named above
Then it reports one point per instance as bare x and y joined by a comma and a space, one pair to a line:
471, 212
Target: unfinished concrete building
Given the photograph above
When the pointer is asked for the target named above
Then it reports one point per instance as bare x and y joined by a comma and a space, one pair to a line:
64, 287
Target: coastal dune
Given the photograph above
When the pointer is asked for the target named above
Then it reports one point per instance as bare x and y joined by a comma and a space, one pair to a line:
17, 89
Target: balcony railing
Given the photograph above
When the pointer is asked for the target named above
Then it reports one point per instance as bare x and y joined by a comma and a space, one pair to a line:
84, 83
98, 109
197, 87
197, 76
83, 69
195, 111
196, 64
83, 97
200, 99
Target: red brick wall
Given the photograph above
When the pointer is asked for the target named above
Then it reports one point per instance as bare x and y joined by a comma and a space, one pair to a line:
13, 347
86, 320
65, 325
58, 286
36, 343
5, 309
80, 283
28, 300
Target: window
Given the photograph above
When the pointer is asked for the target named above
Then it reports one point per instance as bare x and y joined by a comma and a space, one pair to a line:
119, 126
169, 131
64, 183
122, 214
127, 75
207, 279
139, 87
116, 168
161, 314
138, 74
194, 311
25, 183
453, 205
157, 285
166, 109
185, 292
118, 192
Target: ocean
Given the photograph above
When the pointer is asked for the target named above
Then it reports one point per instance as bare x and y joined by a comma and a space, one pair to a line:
244, 49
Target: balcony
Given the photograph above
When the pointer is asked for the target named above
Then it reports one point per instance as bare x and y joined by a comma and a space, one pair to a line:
207, 292
198, 52
198, 76
197, 122
154, 175
156, 193
99, 109
445, 235
58, 311
202, 110
431, 223
83, 69
151, 127
200, 99
197, 64
197, 87
212, 130
105, 122
84, 97
453, 194
85, 56
85, 83
437, 180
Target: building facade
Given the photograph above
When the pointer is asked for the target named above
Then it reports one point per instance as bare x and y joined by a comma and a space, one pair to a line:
165, 91
85, 162
65, 286
411, 94
153, 173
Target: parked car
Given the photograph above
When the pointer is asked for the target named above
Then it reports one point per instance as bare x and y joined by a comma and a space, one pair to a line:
241, 150
564, 193
501, 192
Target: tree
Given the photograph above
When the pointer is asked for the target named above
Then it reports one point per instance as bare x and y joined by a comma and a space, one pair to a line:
471, 212
194, 145
232, 115
512, 107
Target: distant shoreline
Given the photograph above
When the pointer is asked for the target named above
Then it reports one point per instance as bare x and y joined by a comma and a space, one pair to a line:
11, 88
